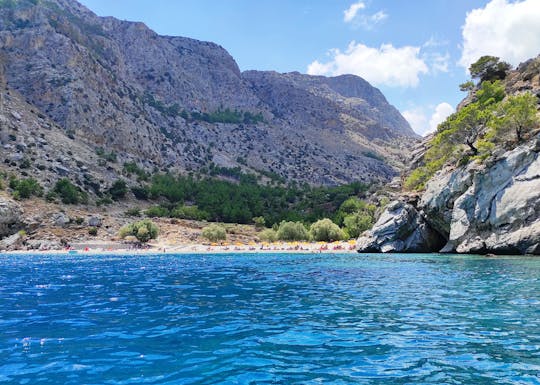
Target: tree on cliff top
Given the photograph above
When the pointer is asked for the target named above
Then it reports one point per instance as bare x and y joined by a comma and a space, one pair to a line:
489, 68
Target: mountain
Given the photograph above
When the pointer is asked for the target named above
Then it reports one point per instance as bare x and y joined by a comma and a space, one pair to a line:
486, 201
174, 103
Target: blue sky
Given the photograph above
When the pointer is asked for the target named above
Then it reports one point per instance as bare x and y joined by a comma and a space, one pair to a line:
415, 52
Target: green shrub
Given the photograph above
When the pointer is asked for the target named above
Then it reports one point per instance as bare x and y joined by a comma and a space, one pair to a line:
143, 230
106, 200
259, 222
133, 212
214, 233
268, 235
92, 231
357, 223
107, 156
140, 193
133, 168
189, 212
69, 193
516, 116
25, 188
118, 190
156, 212
325, 230
292, 231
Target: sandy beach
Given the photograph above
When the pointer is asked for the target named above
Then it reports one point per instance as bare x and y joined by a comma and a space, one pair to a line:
103, 247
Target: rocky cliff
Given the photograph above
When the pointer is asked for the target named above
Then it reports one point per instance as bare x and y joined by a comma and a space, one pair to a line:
478, 207
178, 103
492, 209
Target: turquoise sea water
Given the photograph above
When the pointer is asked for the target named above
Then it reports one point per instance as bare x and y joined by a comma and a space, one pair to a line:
269, 319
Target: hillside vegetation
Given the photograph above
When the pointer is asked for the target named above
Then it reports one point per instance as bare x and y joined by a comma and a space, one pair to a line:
489, 119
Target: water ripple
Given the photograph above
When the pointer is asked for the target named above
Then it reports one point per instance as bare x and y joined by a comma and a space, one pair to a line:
261, 319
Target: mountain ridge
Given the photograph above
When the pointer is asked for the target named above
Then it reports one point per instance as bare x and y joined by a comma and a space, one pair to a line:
118, 84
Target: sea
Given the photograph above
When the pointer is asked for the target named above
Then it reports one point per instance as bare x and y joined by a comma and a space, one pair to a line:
269, 319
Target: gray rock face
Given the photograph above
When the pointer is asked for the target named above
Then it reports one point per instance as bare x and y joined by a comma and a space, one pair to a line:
437, 201
478, 209
60, 219
95, 221
119, 85
10, 217
11, 242
43, 244
500, 211
400, 229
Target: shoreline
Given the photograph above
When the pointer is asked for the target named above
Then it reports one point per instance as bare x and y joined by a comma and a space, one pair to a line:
115, 248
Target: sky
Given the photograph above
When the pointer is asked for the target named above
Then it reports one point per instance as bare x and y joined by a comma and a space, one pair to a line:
416, 52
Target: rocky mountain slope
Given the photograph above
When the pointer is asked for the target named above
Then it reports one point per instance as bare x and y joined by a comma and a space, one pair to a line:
477, 207
177, 103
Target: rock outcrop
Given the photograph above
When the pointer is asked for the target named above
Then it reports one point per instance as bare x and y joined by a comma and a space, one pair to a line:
10, 217
500, 211
494, 208
156, 99
400, 228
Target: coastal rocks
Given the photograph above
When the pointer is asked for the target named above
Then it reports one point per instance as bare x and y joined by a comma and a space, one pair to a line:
489, 208
10, 217
443, 189
43, 244
400, 229
11, 242
500, 211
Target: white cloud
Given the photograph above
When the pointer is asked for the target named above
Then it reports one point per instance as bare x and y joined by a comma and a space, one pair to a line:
509, 30
350, 13
353, 16
442, 111
418, 117
387, 65
438, 62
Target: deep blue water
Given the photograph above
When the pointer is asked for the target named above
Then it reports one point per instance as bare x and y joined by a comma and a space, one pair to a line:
269, 319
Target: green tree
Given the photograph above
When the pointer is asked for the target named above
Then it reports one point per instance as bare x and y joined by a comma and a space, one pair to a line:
357, 223
292, 231
260, 222
118, 189
25, 188
325, 230
214, 233
69, 193
157, 212
268, 235
517, 114
489, 68
490, 93
143, 230
467, 86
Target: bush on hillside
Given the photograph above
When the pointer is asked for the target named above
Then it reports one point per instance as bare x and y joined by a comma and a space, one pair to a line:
214, 233
69, 193
268, 235
25, 188
190, 212
292, 231
326, 230
143, 230
355, 224
118, 190
156, 212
